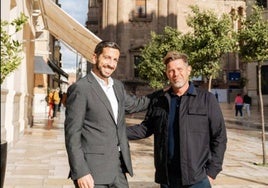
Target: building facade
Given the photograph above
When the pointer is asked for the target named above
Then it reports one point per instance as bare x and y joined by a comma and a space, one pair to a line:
23, 91
251, 68
17, 89
130, 22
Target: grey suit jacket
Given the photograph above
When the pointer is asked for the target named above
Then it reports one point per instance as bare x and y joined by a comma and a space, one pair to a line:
91, 134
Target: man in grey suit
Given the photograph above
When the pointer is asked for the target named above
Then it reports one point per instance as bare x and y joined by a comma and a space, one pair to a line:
95, 130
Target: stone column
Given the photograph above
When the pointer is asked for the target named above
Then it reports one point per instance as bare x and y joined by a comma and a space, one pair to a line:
122, 16
104, 14
172, 13
122, 38
162, 14
111, 16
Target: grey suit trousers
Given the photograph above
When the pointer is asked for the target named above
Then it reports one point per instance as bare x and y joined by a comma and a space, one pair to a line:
120, 180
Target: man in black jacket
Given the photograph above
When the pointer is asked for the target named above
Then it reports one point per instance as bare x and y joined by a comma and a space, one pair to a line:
189, 130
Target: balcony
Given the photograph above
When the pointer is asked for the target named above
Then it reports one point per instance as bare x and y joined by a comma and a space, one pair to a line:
134, 17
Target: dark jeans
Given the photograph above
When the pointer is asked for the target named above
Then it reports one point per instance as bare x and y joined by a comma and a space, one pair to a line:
239, 108
55, 110
201, 184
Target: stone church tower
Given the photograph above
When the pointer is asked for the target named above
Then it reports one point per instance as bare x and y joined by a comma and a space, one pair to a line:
130, 22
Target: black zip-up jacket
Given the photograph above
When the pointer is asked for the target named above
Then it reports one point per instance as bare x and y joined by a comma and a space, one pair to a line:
203, 136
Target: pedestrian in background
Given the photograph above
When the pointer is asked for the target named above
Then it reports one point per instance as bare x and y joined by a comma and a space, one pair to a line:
63, 99
95, 130
56, 101
238, 105
247, 104
217, 96
50, 103
60, 103
189, 130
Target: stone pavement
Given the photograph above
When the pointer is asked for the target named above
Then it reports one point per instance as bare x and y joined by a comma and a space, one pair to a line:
254, 121
39, 160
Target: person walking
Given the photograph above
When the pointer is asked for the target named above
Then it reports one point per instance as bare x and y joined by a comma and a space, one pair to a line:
238, 105
50, 104
63, 99
56, 102
189, 130
95, 130
217, 96
60, 102
247, 104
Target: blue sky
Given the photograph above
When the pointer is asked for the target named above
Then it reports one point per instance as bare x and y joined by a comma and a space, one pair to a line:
77, 10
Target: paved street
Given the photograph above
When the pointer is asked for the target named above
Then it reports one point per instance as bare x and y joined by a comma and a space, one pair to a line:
39, 160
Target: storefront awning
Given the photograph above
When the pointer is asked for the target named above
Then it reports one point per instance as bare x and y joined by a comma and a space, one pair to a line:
60, 81
41, 67
57, 69
62, 26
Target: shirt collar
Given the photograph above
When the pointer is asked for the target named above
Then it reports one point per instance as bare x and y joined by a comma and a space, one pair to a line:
190, 90
102, 82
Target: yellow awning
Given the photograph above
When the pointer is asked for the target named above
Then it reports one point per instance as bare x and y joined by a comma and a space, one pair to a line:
63, 27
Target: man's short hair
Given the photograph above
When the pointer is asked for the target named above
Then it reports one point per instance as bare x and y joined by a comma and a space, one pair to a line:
103, 44
173, 55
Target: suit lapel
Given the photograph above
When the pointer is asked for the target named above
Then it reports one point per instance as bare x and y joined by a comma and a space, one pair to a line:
100, 93
120, 97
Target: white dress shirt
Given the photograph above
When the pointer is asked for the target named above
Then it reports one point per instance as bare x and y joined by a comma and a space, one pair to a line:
109, 91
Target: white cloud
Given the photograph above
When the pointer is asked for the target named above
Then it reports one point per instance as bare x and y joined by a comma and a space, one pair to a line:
78, 10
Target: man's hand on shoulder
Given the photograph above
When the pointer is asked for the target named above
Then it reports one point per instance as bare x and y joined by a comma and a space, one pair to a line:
158, 93
166, 88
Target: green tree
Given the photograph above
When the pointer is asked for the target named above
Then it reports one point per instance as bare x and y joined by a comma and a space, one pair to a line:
10, 48
210, 38
253, 40
152, 67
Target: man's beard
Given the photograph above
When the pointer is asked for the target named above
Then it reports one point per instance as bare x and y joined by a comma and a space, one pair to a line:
99, 69
179, 84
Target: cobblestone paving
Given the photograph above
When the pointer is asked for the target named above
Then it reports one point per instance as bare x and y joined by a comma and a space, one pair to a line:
39, 160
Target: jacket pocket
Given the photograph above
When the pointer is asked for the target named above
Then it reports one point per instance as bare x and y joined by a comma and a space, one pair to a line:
200, 111
198, 120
